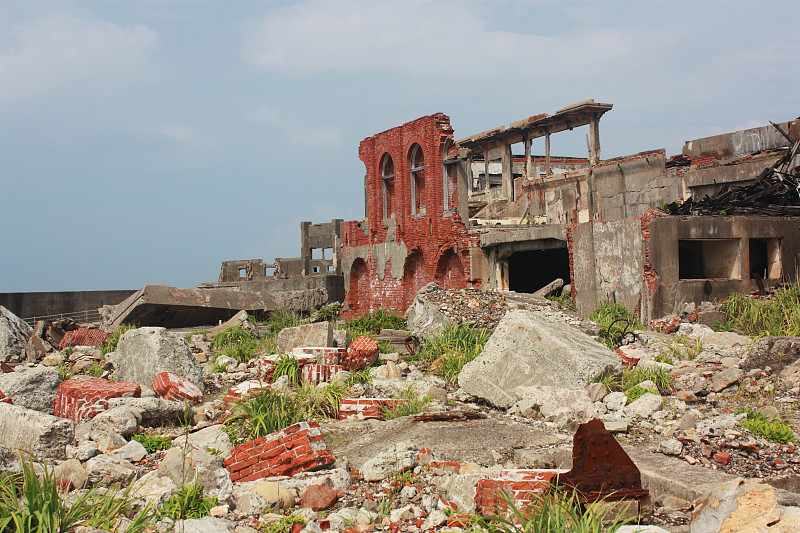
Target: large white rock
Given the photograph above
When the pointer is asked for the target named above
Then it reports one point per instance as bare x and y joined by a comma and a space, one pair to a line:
527, 349
14, 334
34, 388
144, 352
35, 432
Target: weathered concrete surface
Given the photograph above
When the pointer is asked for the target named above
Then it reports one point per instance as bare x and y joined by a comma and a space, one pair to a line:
144, 352
317, 334
34, 388
774, 352
161, 305
526, 350
38, 433
14, 334
424, 318
464, 441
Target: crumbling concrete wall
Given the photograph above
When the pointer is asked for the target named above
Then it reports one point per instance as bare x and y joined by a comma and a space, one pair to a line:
386, 259
624, 187
638, 261
607, 264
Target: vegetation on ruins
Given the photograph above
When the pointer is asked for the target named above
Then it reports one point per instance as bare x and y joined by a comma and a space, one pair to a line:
286, 365
772, 429
616, 321
111, 343
564, 301
777, 316
629, 379
268, 411
31, 502
685, 348
411, 404
636, 392
452, 348
187, 503
371, 323
236, 342
553, 511
152, 443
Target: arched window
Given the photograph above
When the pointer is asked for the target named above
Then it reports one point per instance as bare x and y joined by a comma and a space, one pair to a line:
416, 162
449, 188
387, 175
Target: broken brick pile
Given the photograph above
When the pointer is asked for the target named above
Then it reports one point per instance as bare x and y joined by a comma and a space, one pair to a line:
80, 399
4, 398
520, 486
324, 355
320, 373
244, 389
298, 448
365, 407
171, 386
83, 337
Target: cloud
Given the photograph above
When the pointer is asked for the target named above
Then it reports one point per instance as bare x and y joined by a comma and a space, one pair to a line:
185, 135
58, 52
302, 132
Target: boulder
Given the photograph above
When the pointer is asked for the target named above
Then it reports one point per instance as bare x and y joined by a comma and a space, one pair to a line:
14, 334
150, 412
70, 475
725, 378
774, 352
275, 494
548, 400
527, 349
240, 319
145, 352
319, 497
551, 289
396, 460
32, 431
106, 470
317, 334
177, 466
790, 376
208, 524
33, 387
210, 439
423, 317
743, 505
644, 406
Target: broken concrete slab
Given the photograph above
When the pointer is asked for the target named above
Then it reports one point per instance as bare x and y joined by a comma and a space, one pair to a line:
527, 349
174, 307
143, 353
774, 352
37, 433
14, 334
33, 387
317, 334
480, 441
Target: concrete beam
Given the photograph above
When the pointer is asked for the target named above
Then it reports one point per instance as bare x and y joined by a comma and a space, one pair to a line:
535, 233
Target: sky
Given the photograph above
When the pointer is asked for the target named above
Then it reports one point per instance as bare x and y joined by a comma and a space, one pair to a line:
145, 142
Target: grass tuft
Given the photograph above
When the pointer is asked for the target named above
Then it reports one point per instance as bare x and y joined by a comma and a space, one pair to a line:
616, 322
411, 405
111, 343
771, 429
778, 316
452, 348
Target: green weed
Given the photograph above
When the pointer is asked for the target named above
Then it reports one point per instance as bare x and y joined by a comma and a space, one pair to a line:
236, 342
187, 503
771, 429
453, 347
32, 503
359, 376
661, 358
686, 348
616, 322
778, 316
659, 376
280, 319
68, 351
111, 343
386, 347
373, 322
286, 365
550, 512
152, 443
637, 392
411, 405
196, 332
564, 301
65, 372
282, 525
94, 370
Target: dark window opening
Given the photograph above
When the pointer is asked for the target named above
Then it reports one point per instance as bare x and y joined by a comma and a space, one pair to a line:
765, 259
531, 270
387, 177
707, 259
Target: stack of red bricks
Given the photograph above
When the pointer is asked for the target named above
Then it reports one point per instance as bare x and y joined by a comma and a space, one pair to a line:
171, 386
244, 389
84, 337
361, 353
298, 448
80, 399
4, 398
365, 407
521, 486
320, 373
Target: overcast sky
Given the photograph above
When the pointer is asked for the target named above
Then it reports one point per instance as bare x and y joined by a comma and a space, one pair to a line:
146, 142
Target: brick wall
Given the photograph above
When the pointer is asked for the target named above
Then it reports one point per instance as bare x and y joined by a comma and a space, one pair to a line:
80, 399
365, 407
521, 486
298, 448
434, 245
171, 386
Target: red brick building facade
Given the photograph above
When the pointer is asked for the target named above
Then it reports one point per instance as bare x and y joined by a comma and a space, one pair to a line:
413, 232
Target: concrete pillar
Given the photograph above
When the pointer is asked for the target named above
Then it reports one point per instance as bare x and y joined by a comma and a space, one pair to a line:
528, 162
506, 163
594, 140
485, 170
305, 248
547, 154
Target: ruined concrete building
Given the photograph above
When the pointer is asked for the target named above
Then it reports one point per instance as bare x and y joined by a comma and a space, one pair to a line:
470, 213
